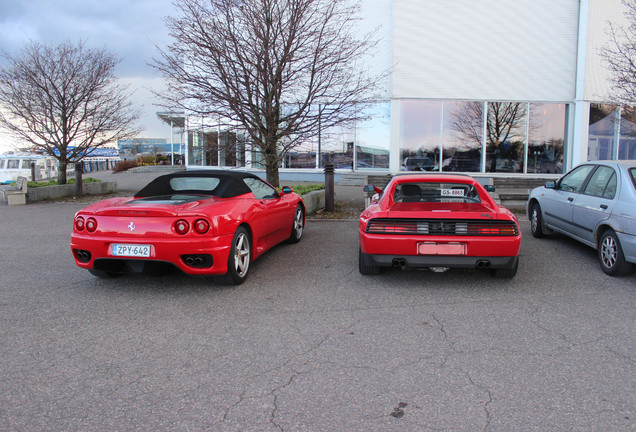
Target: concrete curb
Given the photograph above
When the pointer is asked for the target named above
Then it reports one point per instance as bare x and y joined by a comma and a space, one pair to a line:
59, 191
314, 201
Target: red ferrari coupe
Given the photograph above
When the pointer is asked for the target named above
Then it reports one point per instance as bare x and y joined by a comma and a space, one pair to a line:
437, 221
202, 222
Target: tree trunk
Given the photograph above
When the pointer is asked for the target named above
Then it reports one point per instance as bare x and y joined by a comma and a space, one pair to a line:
61, 173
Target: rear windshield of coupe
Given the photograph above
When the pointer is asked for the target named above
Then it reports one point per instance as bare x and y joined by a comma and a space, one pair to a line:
194, 183
436, 192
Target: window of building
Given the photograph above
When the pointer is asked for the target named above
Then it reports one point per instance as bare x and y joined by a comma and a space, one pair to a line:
505, 136
602, 132
546, 138
462, 136
373, 138
420, 135
627, 144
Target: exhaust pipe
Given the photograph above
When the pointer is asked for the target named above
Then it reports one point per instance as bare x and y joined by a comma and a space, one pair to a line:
189, 261
82, 255
482, 264
398, 262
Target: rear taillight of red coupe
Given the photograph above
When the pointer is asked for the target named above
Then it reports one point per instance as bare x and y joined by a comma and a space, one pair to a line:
200, 226
89, 224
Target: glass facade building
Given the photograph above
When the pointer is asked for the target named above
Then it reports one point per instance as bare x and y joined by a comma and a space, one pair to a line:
524, 98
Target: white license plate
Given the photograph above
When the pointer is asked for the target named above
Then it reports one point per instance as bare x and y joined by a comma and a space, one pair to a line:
131, 250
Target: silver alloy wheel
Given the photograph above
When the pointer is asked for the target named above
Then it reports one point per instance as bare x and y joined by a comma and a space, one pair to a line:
298, 222
609, 252
534, 222
242, 254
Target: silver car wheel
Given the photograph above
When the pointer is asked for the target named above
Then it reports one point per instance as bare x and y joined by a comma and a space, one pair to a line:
298, 222
609, 252
534, 221
242, 254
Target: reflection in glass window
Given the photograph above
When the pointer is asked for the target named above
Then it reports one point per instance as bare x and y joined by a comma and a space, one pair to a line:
546, 138
463, 131
13, 163
373, 138
420, 135
505, 135
259, 188
602, 128
627, 144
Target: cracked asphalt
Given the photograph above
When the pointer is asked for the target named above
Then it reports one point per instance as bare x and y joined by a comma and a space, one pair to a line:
308, 344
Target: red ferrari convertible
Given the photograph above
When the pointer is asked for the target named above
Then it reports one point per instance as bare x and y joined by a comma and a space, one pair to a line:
202, 222
437, 221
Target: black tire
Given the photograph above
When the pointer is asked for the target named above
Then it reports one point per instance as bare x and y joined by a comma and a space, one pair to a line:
238, 263
298, 226
610, 255
507, 272
364, 266
103, 274
536, 221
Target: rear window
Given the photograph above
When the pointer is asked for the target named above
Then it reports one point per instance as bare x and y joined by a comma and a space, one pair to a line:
194, 183
632, 172
436, 192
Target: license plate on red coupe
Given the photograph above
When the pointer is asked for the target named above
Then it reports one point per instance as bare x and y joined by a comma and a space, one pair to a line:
131, 250
430, 248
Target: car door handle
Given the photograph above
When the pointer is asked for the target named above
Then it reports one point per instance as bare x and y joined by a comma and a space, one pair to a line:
570, 199
604, 206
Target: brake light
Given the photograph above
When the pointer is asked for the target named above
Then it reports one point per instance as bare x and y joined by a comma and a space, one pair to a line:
79, 223
91, 225
181, 226
201, 226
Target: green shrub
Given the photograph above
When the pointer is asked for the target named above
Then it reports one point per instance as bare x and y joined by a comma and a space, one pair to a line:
124, 165
305, 189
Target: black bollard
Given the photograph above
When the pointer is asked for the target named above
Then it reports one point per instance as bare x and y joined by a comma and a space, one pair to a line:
78, 179
329, 190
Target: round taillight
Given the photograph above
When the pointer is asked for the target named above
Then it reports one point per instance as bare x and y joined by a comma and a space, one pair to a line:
201, 226
91, 225
79, 223
181, 226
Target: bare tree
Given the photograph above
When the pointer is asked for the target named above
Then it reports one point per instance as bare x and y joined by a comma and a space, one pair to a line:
65, 100
279, 69
620, 57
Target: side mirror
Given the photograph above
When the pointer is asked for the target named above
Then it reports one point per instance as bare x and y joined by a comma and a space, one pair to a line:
287, 190
371, 189
550, 185
489, 188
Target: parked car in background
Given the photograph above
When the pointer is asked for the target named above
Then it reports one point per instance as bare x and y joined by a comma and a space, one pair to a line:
595, 203
438, 221
201, 222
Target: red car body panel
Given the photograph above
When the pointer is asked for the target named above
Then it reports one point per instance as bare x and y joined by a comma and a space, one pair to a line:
135, 221
465, 234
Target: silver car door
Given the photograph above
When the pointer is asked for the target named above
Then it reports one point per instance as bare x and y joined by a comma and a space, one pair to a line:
557, 204
594, 204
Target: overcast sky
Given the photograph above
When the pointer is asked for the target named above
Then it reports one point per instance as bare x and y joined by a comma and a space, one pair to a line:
129, 28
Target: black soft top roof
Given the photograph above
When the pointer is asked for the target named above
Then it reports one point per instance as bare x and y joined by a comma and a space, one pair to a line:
230, 184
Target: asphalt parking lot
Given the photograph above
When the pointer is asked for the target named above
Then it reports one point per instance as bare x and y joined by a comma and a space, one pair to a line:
308, 344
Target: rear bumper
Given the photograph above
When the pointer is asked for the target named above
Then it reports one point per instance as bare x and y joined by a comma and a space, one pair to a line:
402, 251
628, 244
419, 261
163, 251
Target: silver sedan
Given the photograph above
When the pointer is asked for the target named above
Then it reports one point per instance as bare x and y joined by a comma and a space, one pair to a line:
595, 203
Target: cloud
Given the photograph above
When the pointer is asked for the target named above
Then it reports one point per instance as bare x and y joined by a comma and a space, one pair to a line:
131, 29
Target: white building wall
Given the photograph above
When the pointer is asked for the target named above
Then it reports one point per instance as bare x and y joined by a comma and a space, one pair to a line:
522, 50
